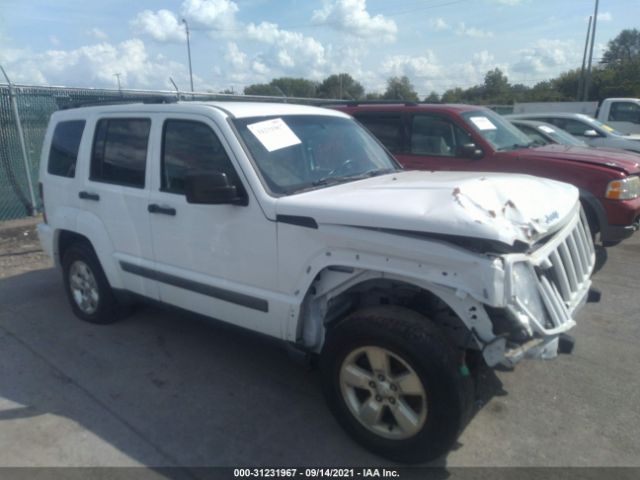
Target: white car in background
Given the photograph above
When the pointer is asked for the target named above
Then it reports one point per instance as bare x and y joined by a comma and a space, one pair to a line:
586, 128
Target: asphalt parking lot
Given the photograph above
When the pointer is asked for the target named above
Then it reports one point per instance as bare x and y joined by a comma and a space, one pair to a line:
163, 388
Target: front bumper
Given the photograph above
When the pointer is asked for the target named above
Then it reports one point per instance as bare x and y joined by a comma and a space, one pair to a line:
621, 219
46, 237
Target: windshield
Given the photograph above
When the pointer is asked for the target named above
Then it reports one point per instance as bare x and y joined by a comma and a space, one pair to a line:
560, 136
605, 127
300, 152
496, 130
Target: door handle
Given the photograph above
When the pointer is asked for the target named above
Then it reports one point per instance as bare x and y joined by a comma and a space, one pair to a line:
89, 196
155, 208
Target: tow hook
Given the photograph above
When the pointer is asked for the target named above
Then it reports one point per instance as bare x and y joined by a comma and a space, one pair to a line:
566, 343
594, 295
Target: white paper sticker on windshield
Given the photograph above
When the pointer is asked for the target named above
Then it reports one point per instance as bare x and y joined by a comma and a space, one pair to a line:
274, 134
546, 129
483, 123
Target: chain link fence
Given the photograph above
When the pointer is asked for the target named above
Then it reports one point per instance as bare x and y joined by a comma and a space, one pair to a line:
34, 105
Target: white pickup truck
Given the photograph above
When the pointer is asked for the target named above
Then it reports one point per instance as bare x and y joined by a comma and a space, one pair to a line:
294, 222
622, 114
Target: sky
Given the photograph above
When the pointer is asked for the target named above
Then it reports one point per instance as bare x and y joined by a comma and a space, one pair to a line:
438, 44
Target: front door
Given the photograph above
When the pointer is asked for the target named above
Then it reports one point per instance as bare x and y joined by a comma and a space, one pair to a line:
434, 143
217, 260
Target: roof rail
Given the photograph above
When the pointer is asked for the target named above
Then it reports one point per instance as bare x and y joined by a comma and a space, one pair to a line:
356, 103
146, 99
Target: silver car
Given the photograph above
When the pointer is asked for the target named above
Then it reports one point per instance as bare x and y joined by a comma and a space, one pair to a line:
590, 130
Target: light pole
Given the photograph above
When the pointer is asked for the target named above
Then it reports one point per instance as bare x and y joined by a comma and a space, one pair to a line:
117, 75
186, 26
587, 82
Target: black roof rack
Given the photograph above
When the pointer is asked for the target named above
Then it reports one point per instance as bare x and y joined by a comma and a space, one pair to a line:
146, 99
356, 103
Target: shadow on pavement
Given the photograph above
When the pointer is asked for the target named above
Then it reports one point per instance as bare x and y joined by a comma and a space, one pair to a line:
161, 388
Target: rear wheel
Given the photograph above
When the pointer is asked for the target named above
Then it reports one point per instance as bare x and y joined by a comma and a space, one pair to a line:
394, 383
87, 288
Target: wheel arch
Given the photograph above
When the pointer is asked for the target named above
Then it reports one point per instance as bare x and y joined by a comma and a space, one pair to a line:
339, 291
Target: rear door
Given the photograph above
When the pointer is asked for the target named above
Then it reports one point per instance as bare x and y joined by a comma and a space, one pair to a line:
115, 193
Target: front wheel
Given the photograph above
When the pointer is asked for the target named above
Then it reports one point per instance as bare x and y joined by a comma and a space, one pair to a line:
394, 384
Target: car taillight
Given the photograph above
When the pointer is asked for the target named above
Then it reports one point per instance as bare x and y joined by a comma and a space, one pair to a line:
41, 192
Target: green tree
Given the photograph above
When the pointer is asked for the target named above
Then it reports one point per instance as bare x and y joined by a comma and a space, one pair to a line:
623, 48
340, 86
453, 95
496, 84
284, 86
433, 97
295, 87
567, 84
400, 88
262, 89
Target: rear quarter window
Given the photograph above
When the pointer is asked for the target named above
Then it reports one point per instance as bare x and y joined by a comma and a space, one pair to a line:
65, 144
387, 128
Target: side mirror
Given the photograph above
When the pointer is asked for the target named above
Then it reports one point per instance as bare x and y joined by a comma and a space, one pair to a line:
211, 188
591, 133
470, 150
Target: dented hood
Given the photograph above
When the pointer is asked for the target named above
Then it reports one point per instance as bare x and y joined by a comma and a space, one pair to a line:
621, 160
506, 208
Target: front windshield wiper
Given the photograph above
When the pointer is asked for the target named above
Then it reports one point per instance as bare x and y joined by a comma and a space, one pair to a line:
326, 181
349, 178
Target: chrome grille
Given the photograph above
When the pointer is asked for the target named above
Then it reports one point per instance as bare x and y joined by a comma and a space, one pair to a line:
564, 282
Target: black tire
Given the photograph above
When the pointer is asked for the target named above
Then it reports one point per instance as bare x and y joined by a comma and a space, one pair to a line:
106, 309
414, 339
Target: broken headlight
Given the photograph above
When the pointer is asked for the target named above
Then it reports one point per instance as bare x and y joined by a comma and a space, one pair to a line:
525, 292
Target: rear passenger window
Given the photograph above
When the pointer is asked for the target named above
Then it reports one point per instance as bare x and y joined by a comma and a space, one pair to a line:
120, 151
192, 147
387, 128
64, 148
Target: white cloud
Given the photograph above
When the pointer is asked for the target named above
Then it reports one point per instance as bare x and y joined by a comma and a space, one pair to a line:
235, 56
352, 17
427, 73
288, 50
162, 26
414, 66
509, 2
548, 57
97, 34
54, 40
462, 29
439, 24
95, 66
213, 14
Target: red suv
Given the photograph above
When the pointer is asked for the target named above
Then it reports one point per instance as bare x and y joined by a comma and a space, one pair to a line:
466, 137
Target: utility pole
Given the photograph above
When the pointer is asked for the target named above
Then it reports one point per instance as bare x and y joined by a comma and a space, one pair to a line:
587, 83
584, 61
117, 75
186, 26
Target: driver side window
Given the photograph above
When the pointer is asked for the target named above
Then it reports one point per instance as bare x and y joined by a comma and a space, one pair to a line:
434, 135
191, 147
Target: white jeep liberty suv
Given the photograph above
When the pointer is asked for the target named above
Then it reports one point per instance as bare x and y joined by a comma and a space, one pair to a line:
293, 221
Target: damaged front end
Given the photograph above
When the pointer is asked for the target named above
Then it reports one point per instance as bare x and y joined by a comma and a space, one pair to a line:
543, 290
